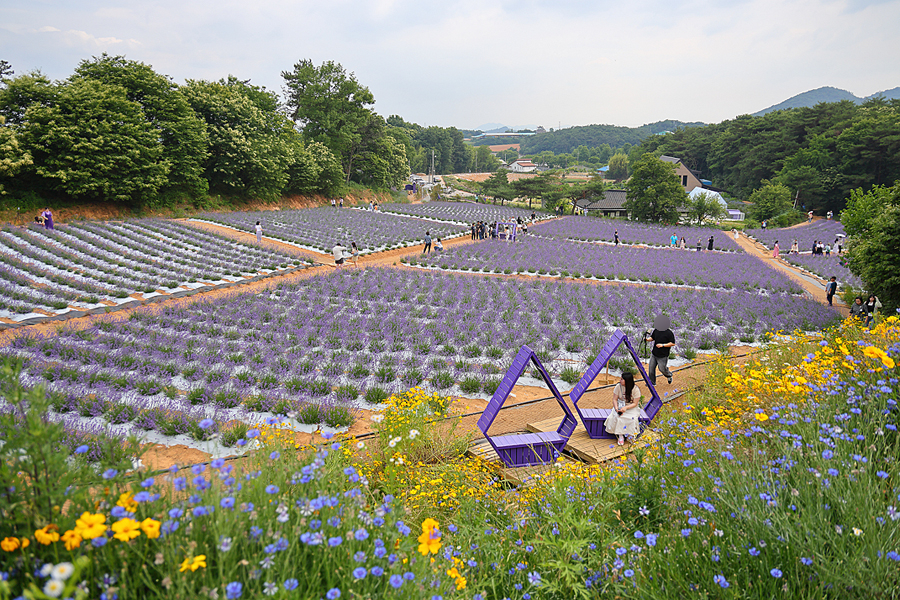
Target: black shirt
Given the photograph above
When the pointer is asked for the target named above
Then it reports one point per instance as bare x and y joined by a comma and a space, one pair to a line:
662, 337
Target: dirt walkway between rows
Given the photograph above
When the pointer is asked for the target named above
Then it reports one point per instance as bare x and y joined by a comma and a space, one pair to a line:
817, 291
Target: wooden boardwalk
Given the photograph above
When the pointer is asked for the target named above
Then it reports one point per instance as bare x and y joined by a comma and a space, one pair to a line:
594, 451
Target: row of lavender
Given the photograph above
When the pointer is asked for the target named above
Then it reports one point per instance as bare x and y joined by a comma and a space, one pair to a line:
823, 230
86, 262
541, 256
825, 267
633, 232
462, 212
316, 346
321, 228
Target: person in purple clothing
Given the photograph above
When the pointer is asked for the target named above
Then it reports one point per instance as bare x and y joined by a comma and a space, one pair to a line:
48, 219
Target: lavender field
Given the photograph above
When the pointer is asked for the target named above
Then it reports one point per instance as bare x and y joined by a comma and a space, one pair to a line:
822, 230
462, 212
321, 228
84, 263
596, 229
541, 256
318, 348
825, 267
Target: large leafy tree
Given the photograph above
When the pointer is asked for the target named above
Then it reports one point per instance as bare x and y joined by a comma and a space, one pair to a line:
13, 158
17, 94
534, 187
654, 192
497, 186
704, 206
181, 133
250, 141
770, 201
618, 167
872, 220
92, 142
331, 106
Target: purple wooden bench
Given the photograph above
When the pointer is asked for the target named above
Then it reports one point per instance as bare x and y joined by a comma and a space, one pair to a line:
526, 449
594, 418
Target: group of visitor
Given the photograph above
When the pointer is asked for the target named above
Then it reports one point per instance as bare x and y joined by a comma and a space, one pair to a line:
865, 311
676, 242
820, 248
438, 246
337, 203
340, 254
481, 230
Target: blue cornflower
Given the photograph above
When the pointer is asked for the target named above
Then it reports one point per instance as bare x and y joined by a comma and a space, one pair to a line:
754, 551
893, 555
98, 542
720, 579
217, 463
333, 594
882, 474
275, 455
227, 502
651, 539
396, 581
255, 532
206, 424
81, 449
775, 573
252, 434
360, 556
806, 561
685, 532
359, 572
360, 534
110, 473
327, 435
334, 541
620, 551
827, 454
628, 573
377, 571
234, 590
291, 584
534, 578
409, 576
271, 489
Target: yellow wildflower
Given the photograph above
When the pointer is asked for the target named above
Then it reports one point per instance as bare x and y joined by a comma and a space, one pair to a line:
72, 540
150, 528
126, 529
127, 502
11, 544
193, 564
46, 535
90, 526
430, 540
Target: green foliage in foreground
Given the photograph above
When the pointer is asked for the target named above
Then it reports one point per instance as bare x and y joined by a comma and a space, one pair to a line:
796, 498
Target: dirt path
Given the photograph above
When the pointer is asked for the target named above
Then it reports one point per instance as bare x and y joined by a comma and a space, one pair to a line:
812, 284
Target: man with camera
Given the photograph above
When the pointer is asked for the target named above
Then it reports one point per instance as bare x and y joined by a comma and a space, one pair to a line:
663, 339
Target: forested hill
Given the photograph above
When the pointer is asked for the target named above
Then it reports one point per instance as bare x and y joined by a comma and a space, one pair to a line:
564, 141
821, 152
826, 94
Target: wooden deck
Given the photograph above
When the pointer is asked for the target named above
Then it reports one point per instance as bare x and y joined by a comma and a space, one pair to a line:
515, 475
594, 451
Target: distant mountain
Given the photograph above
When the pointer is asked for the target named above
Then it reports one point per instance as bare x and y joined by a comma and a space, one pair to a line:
826, 94
499, 128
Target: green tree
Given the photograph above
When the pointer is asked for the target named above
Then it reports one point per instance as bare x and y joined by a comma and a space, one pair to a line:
864, 208
875, 257
534, 187
485, 161
654, 192
497, 186
618, 167
331, 107
313, 169
704, 206
6, 71
94, 143
770, 201
181, 132
250, 142
26, 90
13, 157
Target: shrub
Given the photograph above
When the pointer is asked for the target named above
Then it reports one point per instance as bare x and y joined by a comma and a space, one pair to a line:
310, 414
470, 385
570, 375
375, 395
338, 416
442, 380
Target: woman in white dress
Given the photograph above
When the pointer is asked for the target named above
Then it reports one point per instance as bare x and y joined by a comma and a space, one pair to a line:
624, 419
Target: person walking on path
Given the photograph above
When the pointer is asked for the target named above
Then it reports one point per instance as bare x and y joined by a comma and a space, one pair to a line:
710, 243
764, 224
776, 250
831, 290
624, 420
338, 252
872, 305
682, 243
342, 202
809, 217
735, 231
617, 237
673, 241
332, 203
663, 340
258, 232
427, 249
699, 245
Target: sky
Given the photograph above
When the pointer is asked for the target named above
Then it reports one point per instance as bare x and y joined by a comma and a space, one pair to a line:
464, 63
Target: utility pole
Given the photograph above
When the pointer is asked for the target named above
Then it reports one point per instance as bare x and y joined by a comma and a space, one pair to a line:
432, 167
